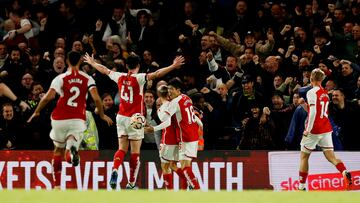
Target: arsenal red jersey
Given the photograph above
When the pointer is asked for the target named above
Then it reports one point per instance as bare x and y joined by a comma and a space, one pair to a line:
131, 91
72, 87
168, 135
318, 121
187, 128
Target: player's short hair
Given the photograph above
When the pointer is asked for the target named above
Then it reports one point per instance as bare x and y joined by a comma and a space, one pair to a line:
163, 91
73, 57
132, 61
176, 82
317, 75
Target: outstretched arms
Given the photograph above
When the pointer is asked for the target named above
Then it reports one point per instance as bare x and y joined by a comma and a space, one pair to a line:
91, 61
178, 61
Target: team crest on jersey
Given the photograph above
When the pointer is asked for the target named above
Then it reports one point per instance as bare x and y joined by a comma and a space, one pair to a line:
187, 101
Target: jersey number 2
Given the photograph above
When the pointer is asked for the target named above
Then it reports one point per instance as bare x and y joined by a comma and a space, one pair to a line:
75, 91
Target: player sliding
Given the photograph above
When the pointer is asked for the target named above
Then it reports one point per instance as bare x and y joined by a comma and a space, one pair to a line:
131, 89
68, 118
318, 131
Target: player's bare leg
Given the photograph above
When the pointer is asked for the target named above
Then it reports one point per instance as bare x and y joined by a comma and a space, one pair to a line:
330, 156
303, 170
167, 175
118, 159
56, 163
189, 175
134, 162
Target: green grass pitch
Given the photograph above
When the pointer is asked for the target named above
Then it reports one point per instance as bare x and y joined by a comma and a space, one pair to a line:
143, 196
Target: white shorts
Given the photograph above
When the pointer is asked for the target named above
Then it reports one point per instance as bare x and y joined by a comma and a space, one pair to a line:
309, 142
124, 128
188, 150
169, 153
62, 129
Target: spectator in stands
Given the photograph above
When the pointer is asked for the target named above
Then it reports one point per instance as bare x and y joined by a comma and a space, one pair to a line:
143, 36
151, 140
241, 101
345, 114
281, 115
258, 131
3, 54
120, 24
13, 70
347, 79
9, 128
26, 85
107, 134
22, 25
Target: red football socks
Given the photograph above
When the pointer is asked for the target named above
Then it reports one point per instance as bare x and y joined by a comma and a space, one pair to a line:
134, 167
168, 181
118, 158
302, 177
341, 167
183, 181
190, 177
57, 165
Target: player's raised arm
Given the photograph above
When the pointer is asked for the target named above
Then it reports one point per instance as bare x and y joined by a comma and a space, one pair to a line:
100, 110
178, 61
50, 95
91, 61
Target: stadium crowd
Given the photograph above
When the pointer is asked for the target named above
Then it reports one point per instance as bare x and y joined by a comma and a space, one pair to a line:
247, 65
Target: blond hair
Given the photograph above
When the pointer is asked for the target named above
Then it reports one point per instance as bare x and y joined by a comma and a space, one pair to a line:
317, 75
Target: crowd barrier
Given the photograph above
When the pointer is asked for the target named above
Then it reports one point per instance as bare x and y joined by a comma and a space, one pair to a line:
215, 170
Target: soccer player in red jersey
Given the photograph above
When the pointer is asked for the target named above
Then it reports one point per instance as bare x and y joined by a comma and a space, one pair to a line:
318, 131
187, 126
131, 89
68, 118
169, 148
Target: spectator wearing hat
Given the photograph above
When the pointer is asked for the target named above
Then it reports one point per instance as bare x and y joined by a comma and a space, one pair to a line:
258, 130
242, 99
281, 115
323, 46
326, 66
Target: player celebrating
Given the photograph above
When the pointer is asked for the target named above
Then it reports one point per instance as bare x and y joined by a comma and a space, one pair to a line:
131, 87
187, 129
68, 118
318, 130
169, 149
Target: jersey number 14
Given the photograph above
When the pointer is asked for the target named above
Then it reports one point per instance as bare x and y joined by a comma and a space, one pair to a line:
324, 106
